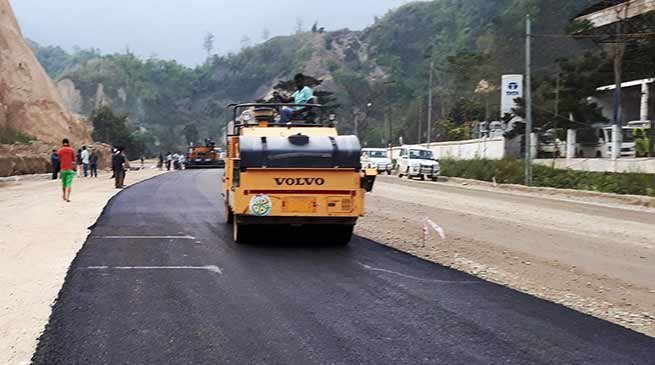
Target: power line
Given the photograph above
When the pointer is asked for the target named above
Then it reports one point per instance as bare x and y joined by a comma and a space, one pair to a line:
591, 36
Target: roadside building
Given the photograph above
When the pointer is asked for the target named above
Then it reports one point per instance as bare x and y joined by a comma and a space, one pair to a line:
635, 97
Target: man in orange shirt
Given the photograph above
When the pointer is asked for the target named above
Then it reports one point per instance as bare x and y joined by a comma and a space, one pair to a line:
66, 160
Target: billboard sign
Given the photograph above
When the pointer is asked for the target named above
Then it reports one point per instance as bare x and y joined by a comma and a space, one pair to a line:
512, 88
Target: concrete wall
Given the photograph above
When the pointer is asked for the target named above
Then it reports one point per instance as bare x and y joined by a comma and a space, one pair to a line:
643, 165
484, 148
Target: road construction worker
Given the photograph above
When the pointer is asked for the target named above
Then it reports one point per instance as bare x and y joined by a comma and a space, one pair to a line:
303, 95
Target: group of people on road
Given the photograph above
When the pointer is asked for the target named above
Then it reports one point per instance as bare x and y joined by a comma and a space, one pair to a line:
176, 161
66, 163
86, 163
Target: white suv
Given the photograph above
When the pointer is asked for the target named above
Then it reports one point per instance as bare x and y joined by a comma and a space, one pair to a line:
376, 158
415, 161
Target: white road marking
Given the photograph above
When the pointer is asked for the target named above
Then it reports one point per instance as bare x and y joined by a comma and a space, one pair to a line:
211, 268
371, 268
145, 237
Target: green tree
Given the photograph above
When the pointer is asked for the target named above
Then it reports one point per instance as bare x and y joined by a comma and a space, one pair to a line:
113, 129
191, 133
109, 127
208, 44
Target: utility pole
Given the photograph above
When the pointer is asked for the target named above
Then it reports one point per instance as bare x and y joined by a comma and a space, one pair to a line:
387, 115
390, 131
420, 119
487, 116
619, 51
528, 102
557, 84
429, 130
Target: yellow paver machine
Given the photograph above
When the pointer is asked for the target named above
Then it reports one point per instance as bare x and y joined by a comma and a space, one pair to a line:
207, 156
296, 174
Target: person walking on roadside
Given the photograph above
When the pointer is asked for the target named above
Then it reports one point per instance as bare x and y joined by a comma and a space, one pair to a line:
113, 152
118, 165
181, 160
66, 163
85, 161
169, 160
78, 162
93, 163
54, 160
176, 161
126, 165
160, 164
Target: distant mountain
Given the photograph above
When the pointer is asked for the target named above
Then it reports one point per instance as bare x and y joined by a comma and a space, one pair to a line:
382, 70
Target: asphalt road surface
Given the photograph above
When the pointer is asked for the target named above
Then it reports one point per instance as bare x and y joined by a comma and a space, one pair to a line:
160, 281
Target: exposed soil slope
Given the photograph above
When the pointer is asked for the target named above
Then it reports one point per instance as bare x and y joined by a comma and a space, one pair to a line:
29, 100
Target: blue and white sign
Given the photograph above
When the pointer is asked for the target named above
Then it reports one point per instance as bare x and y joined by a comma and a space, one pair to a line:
512, 88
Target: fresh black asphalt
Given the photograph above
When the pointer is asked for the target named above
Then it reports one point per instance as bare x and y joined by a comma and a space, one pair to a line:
176, 300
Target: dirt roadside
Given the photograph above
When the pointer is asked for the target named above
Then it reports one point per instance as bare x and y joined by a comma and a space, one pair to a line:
41, 235
595, 256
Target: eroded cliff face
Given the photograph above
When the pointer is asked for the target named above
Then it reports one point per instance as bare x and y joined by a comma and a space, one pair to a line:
29, 101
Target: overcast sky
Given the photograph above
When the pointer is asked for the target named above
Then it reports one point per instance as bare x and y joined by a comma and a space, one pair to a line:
174, 29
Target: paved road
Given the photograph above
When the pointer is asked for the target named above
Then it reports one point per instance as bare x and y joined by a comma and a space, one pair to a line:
192, 296
593, 256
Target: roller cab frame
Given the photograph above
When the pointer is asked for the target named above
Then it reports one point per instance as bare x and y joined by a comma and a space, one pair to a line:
300, 175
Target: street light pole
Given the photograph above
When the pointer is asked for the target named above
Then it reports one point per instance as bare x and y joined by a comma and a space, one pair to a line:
528, 102
420, 119
429, 129
387, 117
366, 110
387, 122
557, 87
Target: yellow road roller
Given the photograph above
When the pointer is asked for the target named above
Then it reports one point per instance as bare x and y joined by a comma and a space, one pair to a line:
296, 174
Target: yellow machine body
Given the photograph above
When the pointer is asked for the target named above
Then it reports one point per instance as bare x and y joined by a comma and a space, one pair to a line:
330, 198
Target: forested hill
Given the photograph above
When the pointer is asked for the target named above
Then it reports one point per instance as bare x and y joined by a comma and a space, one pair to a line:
384, 66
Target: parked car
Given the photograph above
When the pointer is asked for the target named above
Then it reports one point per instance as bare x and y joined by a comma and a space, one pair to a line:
415, 161
376, 158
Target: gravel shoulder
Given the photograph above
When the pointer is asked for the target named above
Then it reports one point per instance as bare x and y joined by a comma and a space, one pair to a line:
591, 254
41, 235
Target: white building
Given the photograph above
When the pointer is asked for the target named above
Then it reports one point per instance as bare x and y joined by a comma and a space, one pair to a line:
635, 96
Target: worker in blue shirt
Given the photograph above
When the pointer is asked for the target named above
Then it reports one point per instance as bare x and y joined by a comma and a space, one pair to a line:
54, 160
303, 95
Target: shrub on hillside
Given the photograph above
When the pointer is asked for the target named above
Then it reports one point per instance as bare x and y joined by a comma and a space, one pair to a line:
11, 136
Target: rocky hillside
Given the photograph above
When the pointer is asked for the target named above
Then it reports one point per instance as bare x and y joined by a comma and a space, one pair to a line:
31, 108
29, 100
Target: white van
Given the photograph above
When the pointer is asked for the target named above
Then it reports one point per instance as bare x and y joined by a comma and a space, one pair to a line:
416, 161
